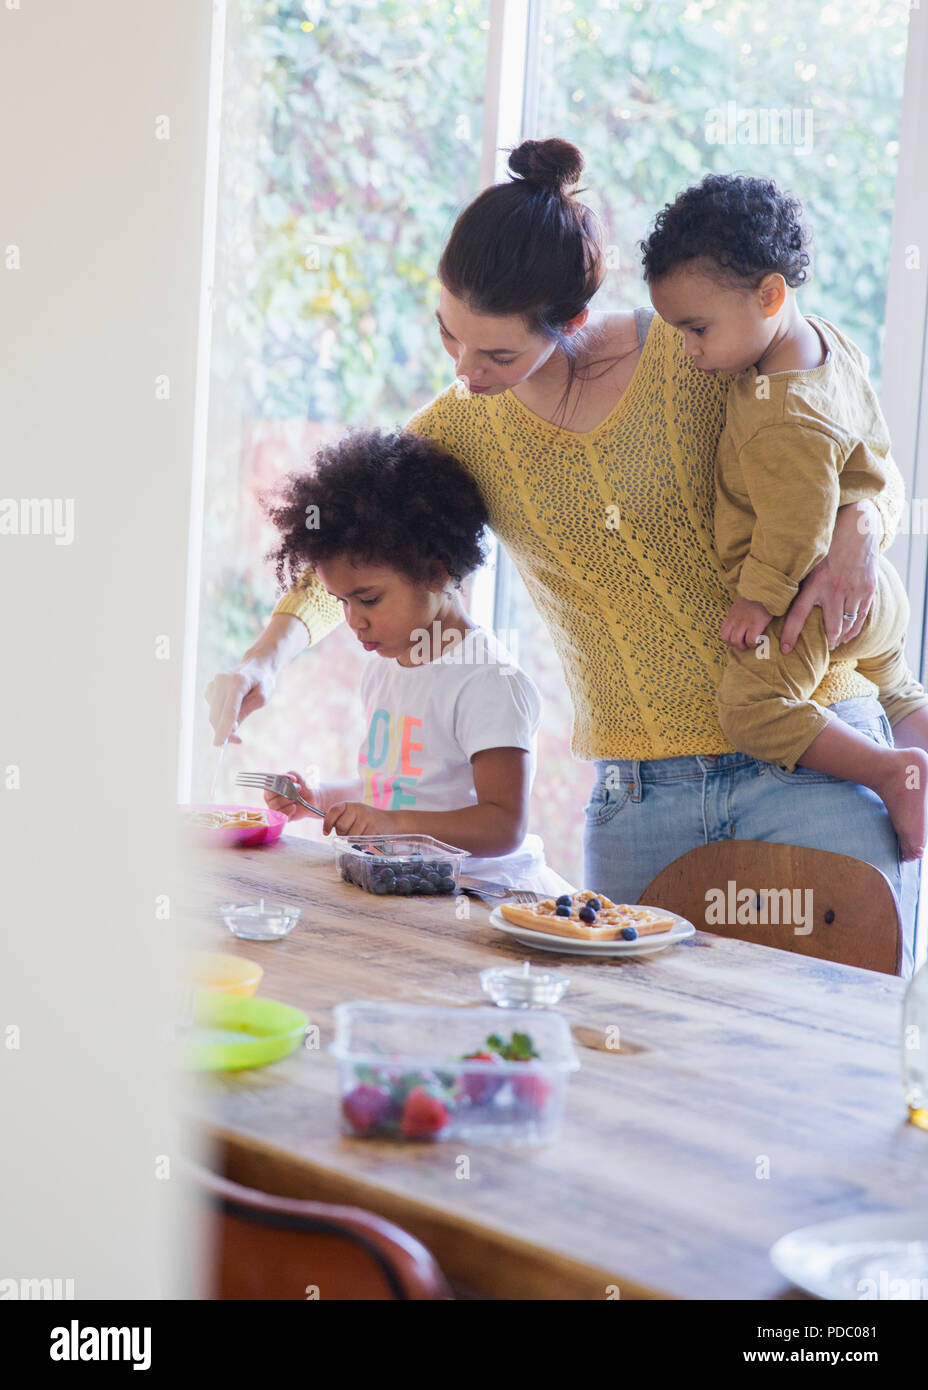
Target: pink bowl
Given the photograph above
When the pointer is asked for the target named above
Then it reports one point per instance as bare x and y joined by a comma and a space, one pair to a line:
239, 836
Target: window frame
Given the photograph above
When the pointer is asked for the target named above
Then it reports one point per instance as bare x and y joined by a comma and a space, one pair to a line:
904, 394
189, 695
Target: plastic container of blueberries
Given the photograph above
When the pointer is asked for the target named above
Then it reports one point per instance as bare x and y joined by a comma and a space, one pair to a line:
399, 865
386, 1050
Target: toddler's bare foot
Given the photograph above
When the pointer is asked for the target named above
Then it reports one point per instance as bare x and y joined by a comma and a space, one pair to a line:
905, 794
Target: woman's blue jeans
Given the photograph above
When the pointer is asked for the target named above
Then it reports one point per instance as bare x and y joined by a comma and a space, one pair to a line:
643, 815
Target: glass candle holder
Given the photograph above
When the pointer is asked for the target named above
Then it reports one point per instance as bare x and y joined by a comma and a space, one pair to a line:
260, 921
525, 987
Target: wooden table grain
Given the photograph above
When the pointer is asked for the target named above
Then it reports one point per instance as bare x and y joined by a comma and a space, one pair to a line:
754, 1091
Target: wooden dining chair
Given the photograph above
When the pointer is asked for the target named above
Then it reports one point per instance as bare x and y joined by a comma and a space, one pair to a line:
773, 894
266, 1247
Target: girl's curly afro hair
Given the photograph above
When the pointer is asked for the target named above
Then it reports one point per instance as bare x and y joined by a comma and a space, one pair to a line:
746, 226
395, 500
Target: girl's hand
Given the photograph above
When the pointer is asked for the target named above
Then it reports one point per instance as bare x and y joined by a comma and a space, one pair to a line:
292, 809
743, 624
843, 584
355, 818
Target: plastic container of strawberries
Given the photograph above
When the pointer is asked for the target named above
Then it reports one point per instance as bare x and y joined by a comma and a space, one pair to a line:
426, 1073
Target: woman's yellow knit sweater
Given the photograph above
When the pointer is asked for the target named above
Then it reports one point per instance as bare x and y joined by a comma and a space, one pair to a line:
612, 533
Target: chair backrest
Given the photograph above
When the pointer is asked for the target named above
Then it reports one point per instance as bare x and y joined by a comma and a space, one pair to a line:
266, 1247
806, 900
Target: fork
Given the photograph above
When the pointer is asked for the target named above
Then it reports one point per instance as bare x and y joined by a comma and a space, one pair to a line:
486, 888
212, 786
278, 784
286, 787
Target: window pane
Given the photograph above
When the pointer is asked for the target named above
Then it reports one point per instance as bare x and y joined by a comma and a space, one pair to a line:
350, 140
656, 96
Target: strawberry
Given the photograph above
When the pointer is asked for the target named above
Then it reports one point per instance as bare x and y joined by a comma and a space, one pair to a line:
532, 1092
402, 1082
477, 1086
367, 1107
424, 1116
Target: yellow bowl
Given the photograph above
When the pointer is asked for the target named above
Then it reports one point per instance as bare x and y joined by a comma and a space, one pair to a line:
223, 974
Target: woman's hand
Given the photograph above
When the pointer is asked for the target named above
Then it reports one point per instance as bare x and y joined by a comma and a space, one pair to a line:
233, 695
355, 818
843, 584
743, 624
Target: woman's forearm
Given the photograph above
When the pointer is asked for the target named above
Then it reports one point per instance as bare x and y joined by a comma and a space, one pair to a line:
284, 638
843, 584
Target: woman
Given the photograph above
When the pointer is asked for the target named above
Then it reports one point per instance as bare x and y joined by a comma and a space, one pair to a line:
592, 439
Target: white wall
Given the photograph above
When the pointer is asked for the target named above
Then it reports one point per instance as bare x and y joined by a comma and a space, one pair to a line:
100, 252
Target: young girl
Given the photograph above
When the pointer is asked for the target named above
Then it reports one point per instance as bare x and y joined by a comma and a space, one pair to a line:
390, 525
804, 435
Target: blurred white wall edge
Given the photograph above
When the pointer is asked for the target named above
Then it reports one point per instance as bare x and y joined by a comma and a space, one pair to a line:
103, 179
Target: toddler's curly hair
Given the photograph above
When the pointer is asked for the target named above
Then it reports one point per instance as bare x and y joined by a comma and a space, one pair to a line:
391, 499
745, 226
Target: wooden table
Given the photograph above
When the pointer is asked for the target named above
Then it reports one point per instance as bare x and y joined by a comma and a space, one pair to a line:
755, 1091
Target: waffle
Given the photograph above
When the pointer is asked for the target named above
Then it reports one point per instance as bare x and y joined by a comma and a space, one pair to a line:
611, 919
224, 820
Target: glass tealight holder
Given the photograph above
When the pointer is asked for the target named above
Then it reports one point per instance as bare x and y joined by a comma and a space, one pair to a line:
524, 987
260, 921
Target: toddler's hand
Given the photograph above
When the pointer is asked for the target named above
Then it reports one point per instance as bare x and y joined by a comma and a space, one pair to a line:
355, 818
743, 624
292, 809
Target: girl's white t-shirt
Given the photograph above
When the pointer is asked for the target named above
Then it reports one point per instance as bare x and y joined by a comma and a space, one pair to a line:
424, 724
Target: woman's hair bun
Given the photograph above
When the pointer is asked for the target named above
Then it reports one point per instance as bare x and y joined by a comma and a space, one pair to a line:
554, 164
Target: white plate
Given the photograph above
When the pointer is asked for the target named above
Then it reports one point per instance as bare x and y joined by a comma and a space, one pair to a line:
861, 1258
570, 946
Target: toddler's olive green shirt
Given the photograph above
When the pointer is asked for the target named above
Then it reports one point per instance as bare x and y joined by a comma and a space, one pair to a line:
796, 446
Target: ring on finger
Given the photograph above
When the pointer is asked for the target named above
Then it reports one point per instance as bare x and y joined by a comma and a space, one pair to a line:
849, 617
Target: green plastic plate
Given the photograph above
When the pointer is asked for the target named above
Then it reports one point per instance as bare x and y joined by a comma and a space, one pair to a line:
231, 1032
